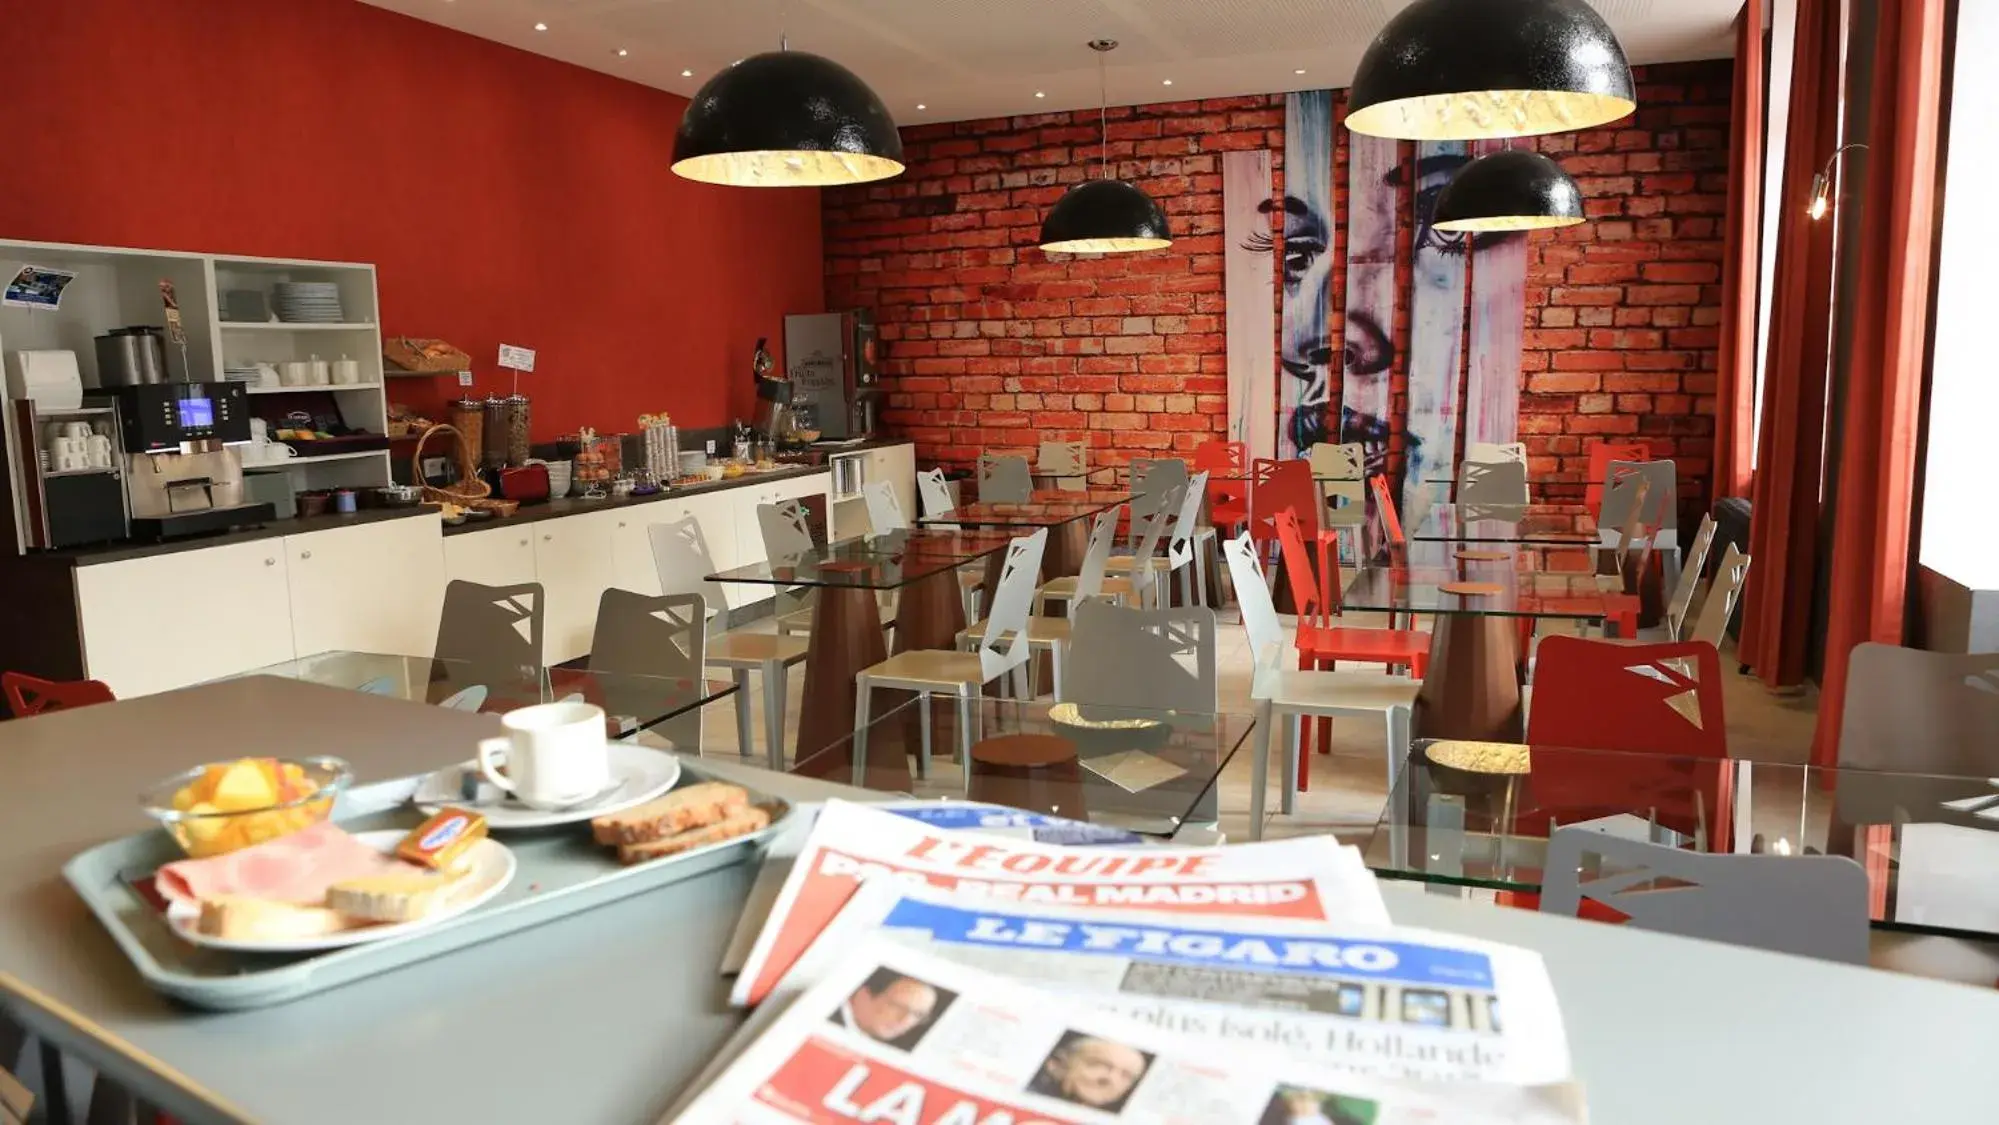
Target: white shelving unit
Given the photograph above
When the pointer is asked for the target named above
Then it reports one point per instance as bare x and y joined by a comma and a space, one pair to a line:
119, 286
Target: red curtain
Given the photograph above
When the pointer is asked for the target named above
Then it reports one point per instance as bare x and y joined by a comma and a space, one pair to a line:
1790, 462
1882, 415
1735, 384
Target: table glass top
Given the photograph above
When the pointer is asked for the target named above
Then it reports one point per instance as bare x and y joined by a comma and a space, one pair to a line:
1515, 586
1149, 777
1044, 509
1562, 524
1479, 814
873, 562
632, 702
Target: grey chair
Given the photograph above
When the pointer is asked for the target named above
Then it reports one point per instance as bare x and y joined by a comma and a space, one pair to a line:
1065, 461
681, 557
1658, 505
1152, 485
488, 639
1920, 712
787, 534
1148, 660
884, 510
1812, 906
1004, 479
934, 493
647, 657
1492, 482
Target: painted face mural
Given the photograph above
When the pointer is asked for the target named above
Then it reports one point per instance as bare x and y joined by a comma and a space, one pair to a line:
1306, 270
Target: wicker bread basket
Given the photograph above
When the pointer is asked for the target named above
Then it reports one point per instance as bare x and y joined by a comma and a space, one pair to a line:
468, 491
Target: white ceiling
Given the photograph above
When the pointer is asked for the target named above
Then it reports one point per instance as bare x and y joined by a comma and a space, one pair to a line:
965, 59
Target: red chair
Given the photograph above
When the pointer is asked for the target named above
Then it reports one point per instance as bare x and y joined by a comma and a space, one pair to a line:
1278, 486
1391, 520
31, 695
1646, 699
1321, 644
1601, 454
1228, 499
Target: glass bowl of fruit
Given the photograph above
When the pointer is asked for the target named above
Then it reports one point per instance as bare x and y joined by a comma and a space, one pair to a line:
220, 807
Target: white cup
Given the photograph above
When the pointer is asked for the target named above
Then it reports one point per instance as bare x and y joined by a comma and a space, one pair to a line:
100, 451
76, 429
321, 373
555, 754
297, 373
346, 370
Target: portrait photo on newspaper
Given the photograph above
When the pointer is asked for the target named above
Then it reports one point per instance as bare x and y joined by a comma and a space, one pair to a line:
1003, 1050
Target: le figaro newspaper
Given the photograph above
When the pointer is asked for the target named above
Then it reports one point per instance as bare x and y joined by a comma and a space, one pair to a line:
1387, 1001
899, 1035
1310, 878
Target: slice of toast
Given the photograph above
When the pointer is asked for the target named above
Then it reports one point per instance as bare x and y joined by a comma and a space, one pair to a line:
393, 898
684, 808
239, 918
739, 822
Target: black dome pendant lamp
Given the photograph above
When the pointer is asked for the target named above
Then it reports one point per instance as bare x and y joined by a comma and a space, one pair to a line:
1106, 216
1460, 70
786, 119
1516, 189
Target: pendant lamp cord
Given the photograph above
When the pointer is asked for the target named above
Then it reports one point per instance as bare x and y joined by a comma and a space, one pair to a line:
1103, 118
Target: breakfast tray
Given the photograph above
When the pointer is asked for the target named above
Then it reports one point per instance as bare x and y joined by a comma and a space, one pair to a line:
561, 872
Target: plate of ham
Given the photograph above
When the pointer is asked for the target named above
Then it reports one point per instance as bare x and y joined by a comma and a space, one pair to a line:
323, 888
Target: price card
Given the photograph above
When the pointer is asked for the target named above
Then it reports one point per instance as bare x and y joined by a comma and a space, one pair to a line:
464, 378
516, 357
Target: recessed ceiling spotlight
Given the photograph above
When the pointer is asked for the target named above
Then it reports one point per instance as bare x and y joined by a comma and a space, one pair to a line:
622, 52
920, 105
687, 74
1300, 70
1039, 94
1166, 82
541, 27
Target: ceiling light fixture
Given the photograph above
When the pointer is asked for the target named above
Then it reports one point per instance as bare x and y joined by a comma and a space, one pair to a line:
541, 27
786, 119
1039, 94
1166, 82
622, 52
1514, 189
1104, 216
1300, 70
1459, 70
920, 105
687, 74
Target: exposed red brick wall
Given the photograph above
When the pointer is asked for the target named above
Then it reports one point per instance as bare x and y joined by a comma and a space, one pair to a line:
992, 344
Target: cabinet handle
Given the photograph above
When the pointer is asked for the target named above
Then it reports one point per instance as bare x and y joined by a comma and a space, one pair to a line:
621, 523
524, 541
547, 538
305, 554
270, 562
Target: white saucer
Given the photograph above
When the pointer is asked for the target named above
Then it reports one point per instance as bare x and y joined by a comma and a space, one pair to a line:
492, 868
639, 774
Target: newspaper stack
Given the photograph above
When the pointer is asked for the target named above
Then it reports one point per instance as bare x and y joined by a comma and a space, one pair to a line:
912, 973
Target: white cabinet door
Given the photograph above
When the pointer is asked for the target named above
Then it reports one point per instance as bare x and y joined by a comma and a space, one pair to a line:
373, 587
631, 544
503, 556
572, 559
170, 620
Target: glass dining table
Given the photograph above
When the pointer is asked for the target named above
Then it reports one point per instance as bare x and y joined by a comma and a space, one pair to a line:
666, 707
1479, 814
1065, 514
1555, 525
1486, 605
844, 579
1143, 771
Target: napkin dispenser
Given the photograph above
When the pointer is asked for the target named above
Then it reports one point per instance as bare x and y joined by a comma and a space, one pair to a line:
50, 378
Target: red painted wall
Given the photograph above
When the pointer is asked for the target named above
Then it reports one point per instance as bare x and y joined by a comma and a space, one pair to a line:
991, 344
502, 195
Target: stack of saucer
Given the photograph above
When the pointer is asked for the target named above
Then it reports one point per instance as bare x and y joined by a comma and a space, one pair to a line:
308, 302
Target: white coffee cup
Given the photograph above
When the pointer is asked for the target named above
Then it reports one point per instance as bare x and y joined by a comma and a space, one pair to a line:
321, 374
100, 451
76, 429
346, 371
555, 754
296, 373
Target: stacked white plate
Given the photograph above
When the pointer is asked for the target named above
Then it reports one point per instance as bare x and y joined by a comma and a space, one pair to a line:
308, 302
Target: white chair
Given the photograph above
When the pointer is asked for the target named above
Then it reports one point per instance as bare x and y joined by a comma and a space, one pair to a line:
934, 493
929, 671
1140, 584
1492, 483
884, 510
680, 556
1004, 479
1722, 593
1151, 482
787, 534
1341, 474
1689, 582
1067, 462
1491, 453
1181, 557
1052, 634
1279, 689
1145, 659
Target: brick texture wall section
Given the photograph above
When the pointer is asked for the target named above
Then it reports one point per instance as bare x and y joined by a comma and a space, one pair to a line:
990, 344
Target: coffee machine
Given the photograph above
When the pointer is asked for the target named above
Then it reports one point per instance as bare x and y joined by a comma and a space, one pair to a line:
833, 363
181, 475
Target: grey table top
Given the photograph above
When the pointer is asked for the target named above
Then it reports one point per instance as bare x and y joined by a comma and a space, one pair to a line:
604, 1016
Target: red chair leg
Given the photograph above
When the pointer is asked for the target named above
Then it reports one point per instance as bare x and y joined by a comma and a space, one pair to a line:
1305, 727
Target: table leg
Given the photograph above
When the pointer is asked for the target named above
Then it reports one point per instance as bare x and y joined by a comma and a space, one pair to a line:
1472, 689
846, 638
